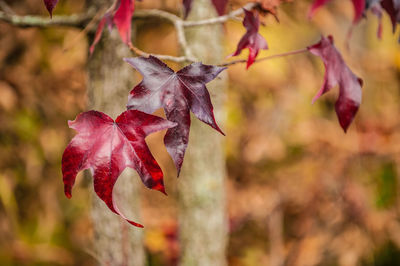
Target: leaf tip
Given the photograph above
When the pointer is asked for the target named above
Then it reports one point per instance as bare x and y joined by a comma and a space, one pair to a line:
68, 193
135, 224
160, 187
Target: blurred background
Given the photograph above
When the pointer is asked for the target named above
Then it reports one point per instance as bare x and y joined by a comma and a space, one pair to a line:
298, 188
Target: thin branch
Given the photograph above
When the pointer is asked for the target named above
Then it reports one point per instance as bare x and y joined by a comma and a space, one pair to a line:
221, 19
77, 20
174, 20
265, 58
146, 13
177, 59
180, 32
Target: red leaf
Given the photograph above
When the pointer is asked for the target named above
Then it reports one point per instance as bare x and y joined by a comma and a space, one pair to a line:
359, 6
338, 73
107, 148
98, 34
122, 19
252, 39
220, 6
50, 4
177, 93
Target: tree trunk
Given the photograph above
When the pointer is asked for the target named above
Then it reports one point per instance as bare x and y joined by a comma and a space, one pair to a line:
201, 187
115, 241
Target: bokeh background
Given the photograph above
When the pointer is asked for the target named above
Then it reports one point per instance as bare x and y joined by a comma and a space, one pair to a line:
298, 188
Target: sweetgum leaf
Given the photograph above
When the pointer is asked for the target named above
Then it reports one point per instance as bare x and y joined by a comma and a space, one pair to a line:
120, 17
251, 39
107, 148
50, 4
178, 93
359, 6
338, 73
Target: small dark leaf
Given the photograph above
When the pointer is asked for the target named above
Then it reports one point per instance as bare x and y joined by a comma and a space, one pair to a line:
178, 93
50, 4
338, 73
252, 39
107, 148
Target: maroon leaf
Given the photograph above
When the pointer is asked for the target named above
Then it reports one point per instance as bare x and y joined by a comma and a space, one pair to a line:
50, 4
220, 6
392, 7
252, 39
177, 93
359, 6
338, 73
107, 148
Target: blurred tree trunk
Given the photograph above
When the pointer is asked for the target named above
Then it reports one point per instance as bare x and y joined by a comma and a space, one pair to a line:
115, 241
201, 187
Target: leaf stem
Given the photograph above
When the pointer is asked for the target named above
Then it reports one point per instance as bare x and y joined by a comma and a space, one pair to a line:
178, 59
300, 51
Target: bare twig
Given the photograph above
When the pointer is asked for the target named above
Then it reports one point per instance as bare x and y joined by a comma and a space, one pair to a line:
220, 19
177, 59
83, 20
147, 13
77, 20
180, 24
180, 32
265, 58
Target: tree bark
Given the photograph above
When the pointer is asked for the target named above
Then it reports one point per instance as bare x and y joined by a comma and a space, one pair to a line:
201, 187
109, 80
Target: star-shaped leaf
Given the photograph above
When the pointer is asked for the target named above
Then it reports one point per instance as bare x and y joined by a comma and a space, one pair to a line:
251, 39
338, 73
107, 148
178, 93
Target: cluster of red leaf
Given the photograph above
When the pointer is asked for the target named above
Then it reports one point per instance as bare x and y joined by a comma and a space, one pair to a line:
392, 8
119, 15
107, 147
